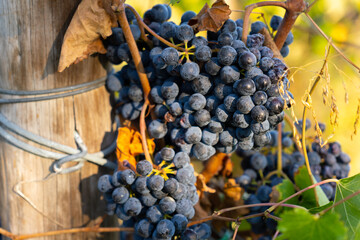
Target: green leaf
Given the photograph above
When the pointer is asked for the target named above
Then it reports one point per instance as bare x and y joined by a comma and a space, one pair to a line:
349, 210
299, 224
172, 2
284, 190
319, 209
302, 180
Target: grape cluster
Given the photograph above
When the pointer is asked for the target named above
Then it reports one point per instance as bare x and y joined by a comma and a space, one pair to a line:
158, 201
216, 94
326, 162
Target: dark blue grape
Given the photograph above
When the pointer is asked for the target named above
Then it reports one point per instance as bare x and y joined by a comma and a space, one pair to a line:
159, 13
170, 56
189, 71
247, 60
144, 228
184, 32
226, 55
225, 39
245, 104
187, 16
157, 129
257, 26
203, 53
132, 207
229, 74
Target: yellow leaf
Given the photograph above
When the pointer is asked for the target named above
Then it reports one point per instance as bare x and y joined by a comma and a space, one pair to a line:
91, 21
129, 145
232, 190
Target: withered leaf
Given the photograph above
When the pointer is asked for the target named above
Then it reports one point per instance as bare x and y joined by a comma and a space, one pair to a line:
232, 190
211, 19
201, 185
214, 165
129, 145
82, 38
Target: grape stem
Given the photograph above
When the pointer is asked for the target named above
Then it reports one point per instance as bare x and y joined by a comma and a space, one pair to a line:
141, 22
138, 19
134, 50
143, 132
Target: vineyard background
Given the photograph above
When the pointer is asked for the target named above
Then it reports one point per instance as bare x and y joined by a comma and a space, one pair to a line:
340, 20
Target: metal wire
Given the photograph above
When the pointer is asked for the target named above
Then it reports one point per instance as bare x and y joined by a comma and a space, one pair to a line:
54, 96
50, 91
96, 158
57, 167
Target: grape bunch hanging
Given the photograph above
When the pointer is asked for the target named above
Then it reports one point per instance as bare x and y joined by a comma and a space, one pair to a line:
212, 94
208, 94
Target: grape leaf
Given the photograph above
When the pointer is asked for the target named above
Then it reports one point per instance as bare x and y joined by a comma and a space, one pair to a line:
319, 209
282, 191
211, 19
92, 20
299, 224
129, 145
349, 210
173, 2
302, 180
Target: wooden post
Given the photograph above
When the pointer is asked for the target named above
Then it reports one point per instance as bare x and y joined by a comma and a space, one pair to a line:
30, 43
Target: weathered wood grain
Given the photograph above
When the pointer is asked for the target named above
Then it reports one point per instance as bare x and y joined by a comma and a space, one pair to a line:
30, 42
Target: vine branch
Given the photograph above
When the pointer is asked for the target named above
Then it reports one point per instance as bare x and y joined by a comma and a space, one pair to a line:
250, 8
300, 192
65, 231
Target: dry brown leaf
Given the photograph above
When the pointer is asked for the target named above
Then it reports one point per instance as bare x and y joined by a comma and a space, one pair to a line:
211, 19
232, 190
213, 166
227, 167
91, 21
129, 145
201, 185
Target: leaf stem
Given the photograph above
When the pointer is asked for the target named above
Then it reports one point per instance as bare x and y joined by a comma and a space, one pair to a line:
257, 205
236, 231
340, 202
276, 234
300, 192
279, 150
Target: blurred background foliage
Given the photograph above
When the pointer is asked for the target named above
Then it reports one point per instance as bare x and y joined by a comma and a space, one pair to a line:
340, 20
